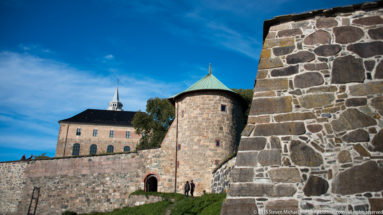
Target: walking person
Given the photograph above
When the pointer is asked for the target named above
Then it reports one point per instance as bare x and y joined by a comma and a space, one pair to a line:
192, 186
187, 188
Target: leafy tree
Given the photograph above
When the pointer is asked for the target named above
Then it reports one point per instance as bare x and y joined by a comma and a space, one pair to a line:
153, 124
247, 95
43, 156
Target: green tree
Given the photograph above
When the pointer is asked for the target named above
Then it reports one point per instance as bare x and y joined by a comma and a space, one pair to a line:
247, 95
153, 124
43, 156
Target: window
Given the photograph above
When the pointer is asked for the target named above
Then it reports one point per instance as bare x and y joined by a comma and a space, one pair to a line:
126, 148
128, 134
95, 132
217, 143
111, 133
76, 149
223, 108
78, 132
110, 149
179, 147
93, 149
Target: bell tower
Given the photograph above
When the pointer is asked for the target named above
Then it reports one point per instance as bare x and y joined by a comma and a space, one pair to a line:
115, 104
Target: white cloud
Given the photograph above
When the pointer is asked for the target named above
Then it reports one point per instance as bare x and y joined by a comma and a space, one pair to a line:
109, 57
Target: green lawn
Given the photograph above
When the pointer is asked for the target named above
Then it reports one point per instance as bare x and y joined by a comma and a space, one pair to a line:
208, 204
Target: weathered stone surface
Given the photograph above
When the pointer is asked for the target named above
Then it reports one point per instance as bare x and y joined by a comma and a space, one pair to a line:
290, 70
316, 100
324, 89
352, 119
359, 135
264, 94
304, 155
258, 189
369, 64
239, 206
318, 37
344, 156
268, 63
376, 204
354, 102
316, 66
279, 51
361, 150
285, 207
258, 119
369, 88
367, 50
372, 20
252, 143
294, 116
289, 32
315, 186
358, 179
379, 71
285, 175
287, 128
314, 128
300, 57
247, 131
278, 42
272, 84
275, 143
347, 69
376, 34
246, 159
347, 34
242, 175
308, 79
327, 50
269, 157
377, 141
271, 105
266, 53
326, 22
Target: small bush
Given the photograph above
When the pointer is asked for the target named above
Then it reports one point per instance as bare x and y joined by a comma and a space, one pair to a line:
69, 213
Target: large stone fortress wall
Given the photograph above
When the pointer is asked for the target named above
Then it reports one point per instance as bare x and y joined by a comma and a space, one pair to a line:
314, 139
201, 124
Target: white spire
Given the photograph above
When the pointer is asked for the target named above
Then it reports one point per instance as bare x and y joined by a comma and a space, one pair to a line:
115, 104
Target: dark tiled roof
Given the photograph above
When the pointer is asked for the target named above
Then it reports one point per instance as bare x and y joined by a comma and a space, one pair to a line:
104, 117
324, 12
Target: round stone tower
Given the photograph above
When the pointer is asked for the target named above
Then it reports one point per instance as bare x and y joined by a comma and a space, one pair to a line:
209, 119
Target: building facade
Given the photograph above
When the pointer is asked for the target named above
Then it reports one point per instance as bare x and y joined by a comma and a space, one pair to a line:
98, 131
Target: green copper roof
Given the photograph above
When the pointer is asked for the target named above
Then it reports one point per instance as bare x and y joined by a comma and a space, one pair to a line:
209, 82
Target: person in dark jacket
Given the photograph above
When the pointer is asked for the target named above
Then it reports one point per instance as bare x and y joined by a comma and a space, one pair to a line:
192, 186
187, 188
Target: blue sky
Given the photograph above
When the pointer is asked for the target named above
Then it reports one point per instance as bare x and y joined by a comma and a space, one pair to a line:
58, 58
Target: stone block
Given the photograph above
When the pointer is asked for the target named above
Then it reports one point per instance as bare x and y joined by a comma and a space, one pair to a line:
258, 119
365, 89
287, 128
314, 128
354, 102
308, 79
366, 50
247, 130
269, 157
290, 70
344, 156
315, 66
359, 179
266, 53
260, 189
327, 50
361, 150
246, 159
278, 42
279, 51
318, 37
294, 116
300, 57
326, 22
271, 105
376, 34
264, 94
316, 100
268, 63
358, 135
315, 186
275, 143
304, 155
352, 119
239, 206
369, 64
377, 103
347, 69
289, 32
379, 71
285, 175
347, 34
376, 204
242, 175
271, 84
252, 143
285, 207
324, 89
377, 141
372, 20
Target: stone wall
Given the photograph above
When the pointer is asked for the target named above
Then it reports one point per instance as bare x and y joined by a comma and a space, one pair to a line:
82, 184
314, 139
221, 177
